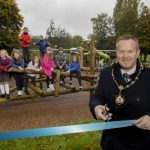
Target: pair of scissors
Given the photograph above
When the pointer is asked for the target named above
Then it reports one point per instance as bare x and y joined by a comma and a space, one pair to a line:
107, 113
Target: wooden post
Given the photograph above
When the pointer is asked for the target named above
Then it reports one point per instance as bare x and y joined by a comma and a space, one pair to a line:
57, 82
81, 57
41, 84
92, 63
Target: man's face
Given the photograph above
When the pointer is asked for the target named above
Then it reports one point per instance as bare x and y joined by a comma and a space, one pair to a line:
127, 53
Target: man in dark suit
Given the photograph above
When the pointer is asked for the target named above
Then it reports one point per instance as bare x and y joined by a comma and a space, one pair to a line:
123, 93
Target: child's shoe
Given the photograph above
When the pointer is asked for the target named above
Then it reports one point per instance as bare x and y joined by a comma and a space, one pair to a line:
80, 88
61, 82
19, 93
51, 86
70, 82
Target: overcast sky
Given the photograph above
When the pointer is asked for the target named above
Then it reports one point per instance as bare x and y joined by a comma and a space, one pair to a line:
73, 15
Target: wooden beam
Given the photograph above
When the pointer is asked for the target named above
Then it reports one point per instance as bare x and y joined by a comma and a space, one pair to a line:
57, 82
23, 97
66, 74
36, 89
87, 69
12, 89
25, 70
66, 91
68, 86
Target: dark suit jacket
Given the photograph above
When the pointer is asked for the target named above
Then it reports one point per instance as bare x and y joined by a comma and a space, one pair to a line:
137, 104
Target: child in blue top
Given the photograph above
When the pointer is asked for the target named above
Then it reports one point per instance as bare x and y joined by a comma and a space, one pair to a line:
74, 68
42, 45
17, 61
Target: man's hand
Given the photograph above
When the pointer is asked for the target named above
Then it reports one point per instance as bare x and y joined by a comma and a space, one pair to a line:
143, 122
101, 112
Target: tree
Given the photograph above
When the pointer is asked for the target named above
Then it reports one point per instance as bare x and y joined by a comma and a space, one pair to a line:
51, 33
10, 24
58, 36
76, 41
103, 31
35, 39
125, 17
143, 28
133, 17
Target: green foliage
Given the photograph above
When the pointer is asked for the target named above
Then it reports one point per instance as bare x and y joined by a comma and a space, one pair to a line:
129, 17
143, 26
103, 31
35, 39
59, 37
133, 17
125, 17
76, 41
11, 22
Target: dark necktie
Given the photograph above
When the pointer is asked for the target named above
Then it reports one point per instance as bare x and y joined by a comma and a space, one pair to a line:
126, 77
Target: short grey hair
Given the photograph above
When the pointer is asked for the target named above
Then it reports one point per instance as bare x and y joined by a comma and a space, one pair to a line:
128, 37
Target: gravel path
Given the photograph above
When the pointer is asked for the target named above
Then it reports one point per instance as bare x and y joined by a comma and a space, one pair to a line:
49, 111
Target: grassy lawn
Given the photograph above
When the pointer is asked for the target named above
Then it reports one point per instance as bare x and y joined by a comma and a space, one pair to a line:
77, 141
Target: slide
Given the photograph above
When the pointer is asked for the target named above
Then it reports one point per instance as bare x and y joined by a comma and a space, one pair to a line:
103, 55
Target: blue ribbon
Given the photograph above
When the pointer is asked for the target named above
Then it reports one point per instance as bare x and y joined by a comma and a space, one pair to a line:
37, 132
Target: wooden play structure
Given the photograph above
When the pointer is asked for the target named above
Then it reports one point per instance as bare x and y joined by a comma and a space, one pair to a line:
87, 74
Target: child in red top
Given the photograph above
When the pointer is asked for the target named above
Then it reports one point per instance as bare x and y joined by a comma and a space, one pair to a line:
25, 40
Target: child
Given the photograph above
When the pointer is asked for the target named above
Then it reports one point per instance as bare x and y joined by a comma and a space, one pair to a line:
60, 61
74, 68
25, 41
4, 76
34, 64
17, 61
42, 45
48, 68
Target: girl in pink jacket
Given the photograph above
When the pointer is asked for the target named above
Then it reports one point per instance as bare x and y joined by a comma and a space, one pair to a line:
48, 68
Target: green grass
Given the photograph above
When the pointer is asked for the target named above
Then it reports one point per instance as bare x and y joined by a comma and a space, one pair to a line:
77, 141
148, 57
